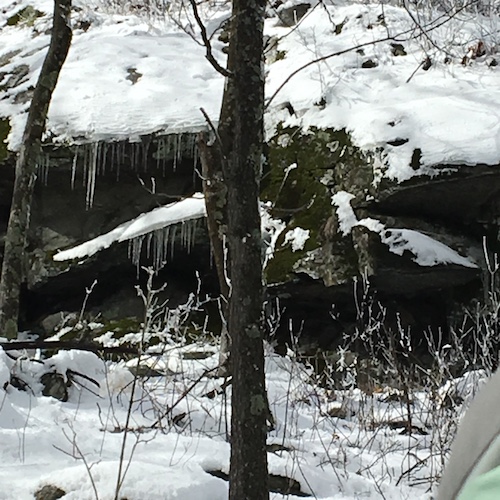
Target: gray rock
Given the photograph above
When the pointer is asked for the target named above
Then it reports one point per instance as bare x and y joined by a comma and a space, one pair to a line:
49, 492
290, 16
54, 385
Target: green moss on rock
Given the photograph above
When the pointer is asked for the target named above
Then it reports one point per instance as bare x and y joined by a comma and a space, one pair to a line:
27, 16
325, 160
120, 327
4, 132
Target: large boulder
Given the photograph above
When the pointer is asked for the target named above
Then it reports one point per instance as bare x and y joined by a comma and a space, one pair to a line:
417, 242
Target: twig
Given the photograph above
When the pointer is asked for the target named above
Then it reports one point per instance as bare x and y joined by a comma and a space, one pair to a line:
213, 129
182, 396
209, 54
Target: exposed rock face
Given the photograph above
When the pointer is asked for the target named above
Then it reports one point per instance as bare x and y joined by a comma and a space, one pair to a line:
369, 235
86, 191
71, 207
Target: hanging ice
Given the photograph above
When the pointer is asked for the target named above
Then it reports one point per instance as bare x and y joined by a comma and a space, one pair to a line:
160, 243
182, 211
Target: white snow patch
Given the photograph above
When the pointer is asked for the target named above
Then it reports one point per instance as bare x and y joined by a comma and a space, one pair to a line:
345, 213
426, 251
271, 230
174, 213
451, 112
96, 97
297, 237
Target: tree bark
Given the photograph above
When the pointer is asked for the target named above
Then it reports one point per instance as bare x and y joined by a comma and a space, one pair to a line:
13, 266
215, 190
241, 133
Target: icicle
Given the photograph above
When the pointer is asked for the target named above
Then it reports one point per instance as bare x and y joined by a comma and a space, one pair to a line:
161, 239
104, 154
85, 156
157, 250
166, 238
177, 150
172, 241
189, 234
73, 168
121, 158
113, 154
135, 250
42, 167
183, 234
135, 156
148, 244
145, 154
91, 176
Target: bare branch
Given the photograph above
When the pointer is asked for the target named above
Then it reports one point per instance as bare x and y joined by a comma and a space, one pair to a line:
209, 55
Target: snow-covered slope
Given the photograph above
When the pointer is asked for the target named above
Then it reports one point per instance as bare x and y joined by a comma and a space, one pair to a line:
339, 445
451, 111
128, 75
125, 76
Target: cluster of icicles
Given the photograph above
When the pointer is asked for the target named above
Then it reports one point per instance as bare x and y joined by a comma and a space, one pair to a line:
100, 157
159, 244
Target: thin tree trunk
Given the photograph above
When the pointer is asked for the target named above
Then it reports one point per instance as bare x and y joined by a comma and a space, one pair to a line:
215, 190
13, 265
242, 128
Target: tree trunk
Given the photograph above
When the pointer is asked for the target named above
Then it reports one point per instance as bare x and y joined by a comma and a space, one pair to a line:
13, 266
241, 132
215, 191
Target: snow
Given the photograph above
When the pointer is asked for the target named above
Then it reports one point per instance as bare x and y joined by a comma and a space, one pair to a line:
159, 218
424, 250
451, 112
297, 237
45, 441
345, 213
94, 100
271, 230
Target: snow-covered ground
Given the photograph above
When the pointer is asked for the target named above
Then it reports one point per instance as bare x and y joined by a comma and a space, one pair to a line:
338, 444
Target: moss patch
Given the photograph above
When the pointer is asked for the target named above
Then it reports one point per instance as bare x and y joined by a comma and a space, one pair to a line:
4, 132
120, 327
26, 16
325, 160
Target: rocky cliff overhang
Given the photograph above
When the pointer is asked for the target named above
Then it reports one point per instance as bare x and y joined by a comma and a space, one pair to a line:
412, 138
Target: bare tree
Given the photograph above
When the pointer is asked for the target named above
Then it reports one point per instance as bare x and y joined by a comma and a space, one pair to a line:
242, 124
13, 265
232, 171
